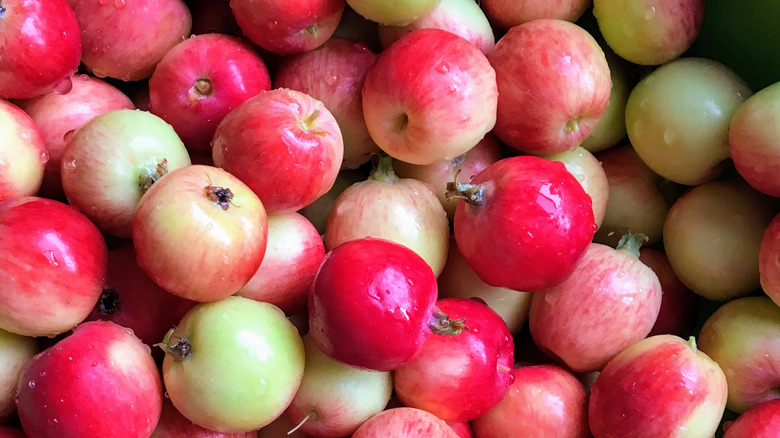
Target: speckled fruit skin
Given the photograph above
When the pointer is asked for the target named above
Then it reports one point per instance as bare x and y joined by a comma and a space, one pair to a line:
660, 386
473, 369
40, 47
371, 303
533, 225
99, 381
762, 421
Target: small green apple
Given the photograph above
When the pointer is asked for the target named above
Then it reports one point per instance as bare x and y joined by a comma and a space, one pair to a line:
233, 365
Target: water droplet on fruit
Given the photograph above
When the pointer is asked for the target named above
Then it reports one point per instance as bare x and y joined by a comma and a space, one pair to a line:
410, 282
166, 395
43, 373
332, 80
226, 316
103, 2
443, 68
650, 13
44, 157
94, 364
51, 257
68, 135
550, 299
120, 4
31, 384
454, 89
69, 166
669, 136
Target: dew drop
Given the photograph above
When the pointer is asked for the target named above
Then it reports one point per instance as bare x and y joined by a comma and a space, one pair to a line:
120, 4
669, 136
443, 68
44, 156
226, 316
102, 2
94, 364
31, 384
68, 135
51, 257
650, 13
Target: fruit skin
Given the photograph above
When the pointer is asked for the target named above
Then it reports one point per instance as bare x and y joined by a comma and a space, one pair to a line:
543, 401
334, 73
36, 58
404, 422
741, 336
430, 96
624, 400
608, 303
533, 201
109, 163
473, 369
371, 304
23, 154
198, 82
99, 381
404, 210
753, 139
53, 262
292, 141
336, 398
15, 352
173, 424
58, 115
761, 421
231, 233
114, 46
396, 13
553, 83
649, 33
287, 26
242, 364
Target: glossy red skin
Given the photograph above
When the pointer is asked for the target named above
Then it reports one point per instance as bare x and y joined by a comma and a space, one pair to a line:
430, 96
173, 424
263, 143
371, 303
761, 421
543, 401
679, 304
334, 73
293, 255
22, 153
35, 59
404, 422
53, 262
549, 71
473, 368
653, 391
279, 26
125, 39
462, 429
768, 261
100, 381
508, 13
143, 306
58, 114
236, 72
609, 302
179, 232
533, 226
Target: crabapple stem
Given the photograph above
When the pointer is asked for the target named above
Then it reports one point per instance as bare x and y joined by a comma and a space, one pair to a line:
631, 242
180, 350
692, 343
150, 176
471, 193
441, 324
383, 171
222, 196
109, 302
308, 417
